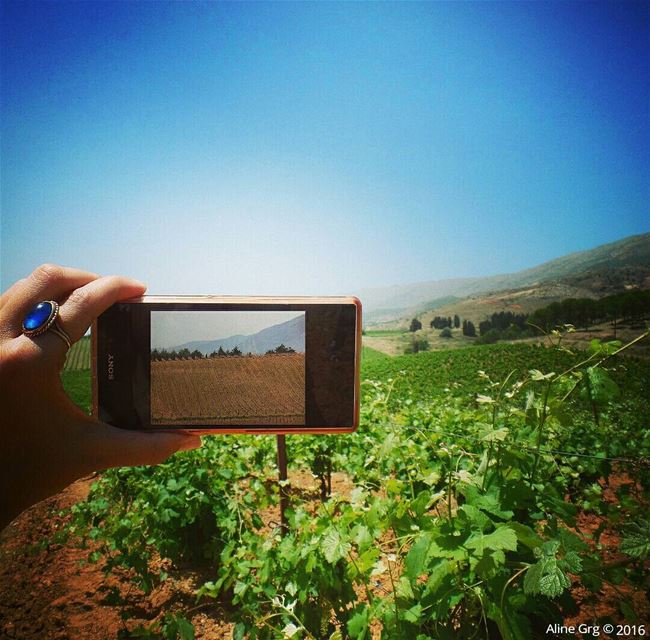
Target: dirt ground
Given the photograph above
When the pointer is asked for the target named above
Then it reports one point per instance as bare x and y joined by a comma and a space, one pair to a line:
48, 592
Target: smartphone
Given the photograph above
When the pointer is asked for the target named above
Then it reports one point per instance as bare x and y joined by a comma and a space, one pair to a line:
228, 364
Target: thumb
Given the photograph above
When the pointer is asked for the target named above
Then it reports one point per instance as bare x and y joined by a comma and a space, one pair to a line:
114, 447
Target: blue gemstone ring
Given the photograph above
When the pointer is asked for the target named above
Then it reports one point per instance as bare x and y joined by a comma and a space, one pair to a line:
41, 318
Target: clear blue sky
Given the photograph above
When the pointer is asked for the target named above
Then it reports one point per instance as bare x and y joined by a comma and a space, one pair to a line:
319, 148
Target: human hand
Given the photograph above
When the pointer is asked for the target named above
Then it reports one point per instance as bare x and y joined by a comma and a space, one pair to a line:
46, 442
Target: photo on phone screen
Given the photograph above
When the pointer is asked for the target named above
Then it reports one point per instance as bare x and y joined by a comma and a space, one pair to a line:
227, 367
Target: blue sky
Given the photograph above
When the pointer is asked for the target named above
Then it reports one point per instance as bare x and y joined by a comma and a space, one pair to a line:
279, 148
172, 328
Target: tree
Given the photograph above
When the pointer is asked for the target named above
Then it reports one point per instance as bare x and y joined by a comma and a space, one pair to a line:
221, 352
235, 351
469, 329
446, 333
196, 354
281, 349
484, 326
416, 325
456, 321
440, 323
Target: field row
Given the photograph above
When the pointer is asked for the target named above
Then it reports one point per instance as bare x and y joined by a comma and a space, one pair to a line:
78, 357
238, 390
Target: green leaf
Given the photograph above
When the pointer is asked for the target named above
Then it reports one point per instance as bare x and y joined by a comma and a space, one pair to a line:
502, 538
629, 614
572, 562
185, 629
554, 582
498, 435
489, 502
367, 559
545, 576
526, 535
538, 376
413, 614
600, 387
489, 565
239, 632
358, 623
416, 557
334, 547
362, 537
403, 589
437, 575
635, 546
475, 516
636, 540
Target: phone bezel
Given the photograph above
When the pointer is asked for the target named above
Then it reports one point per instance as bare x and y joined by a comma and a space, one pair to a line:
261, 301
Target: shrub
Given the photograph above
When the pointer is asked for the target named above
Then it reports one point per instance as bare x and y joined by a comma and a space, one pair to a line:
489, 337
416, 346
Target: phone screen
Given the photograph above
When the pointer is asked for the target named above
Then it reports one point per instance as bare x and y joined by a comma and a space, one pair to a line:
227, 367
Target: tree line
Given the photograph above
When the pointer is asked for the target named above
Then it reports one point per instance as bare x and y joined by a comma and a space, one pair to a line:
584, 312
440, 322
186, 354
506, 325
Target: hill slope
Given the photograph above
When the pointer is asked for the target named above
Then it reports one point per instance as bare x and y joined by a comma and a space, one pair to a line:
290, 334
593, 273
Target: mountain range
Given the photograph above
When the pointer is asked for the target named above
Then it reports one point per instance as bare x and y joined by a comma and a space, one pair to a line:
290, 333
607, 269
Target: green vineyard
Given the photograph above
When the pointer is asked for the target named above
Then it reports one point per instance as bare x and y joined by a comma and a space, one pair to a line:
488, 493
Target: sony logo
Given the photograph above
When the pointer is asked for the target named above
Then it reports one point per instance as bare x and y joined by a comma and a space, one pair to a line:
111, 367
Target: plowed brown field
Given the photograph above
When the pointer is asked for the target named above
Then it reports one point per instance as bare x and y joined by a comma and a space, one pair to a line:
244, 390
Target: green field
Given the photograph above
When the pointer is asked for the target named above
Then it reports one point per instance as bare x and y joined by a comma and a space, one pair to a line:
384, 332
471, 471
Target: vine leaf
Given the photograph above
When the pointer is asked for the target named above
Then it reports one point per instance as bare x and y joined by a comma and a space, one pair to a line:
501, 538
358, 623
334, 547
636, 543
548, 575
416, 557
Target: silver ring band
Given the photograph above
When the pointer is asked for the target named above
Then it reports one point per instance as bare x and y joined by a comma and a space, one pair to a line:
55, 328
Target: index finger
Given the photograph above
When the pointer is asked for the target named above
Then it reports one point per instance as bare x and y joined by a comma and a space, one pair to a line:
86, 303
